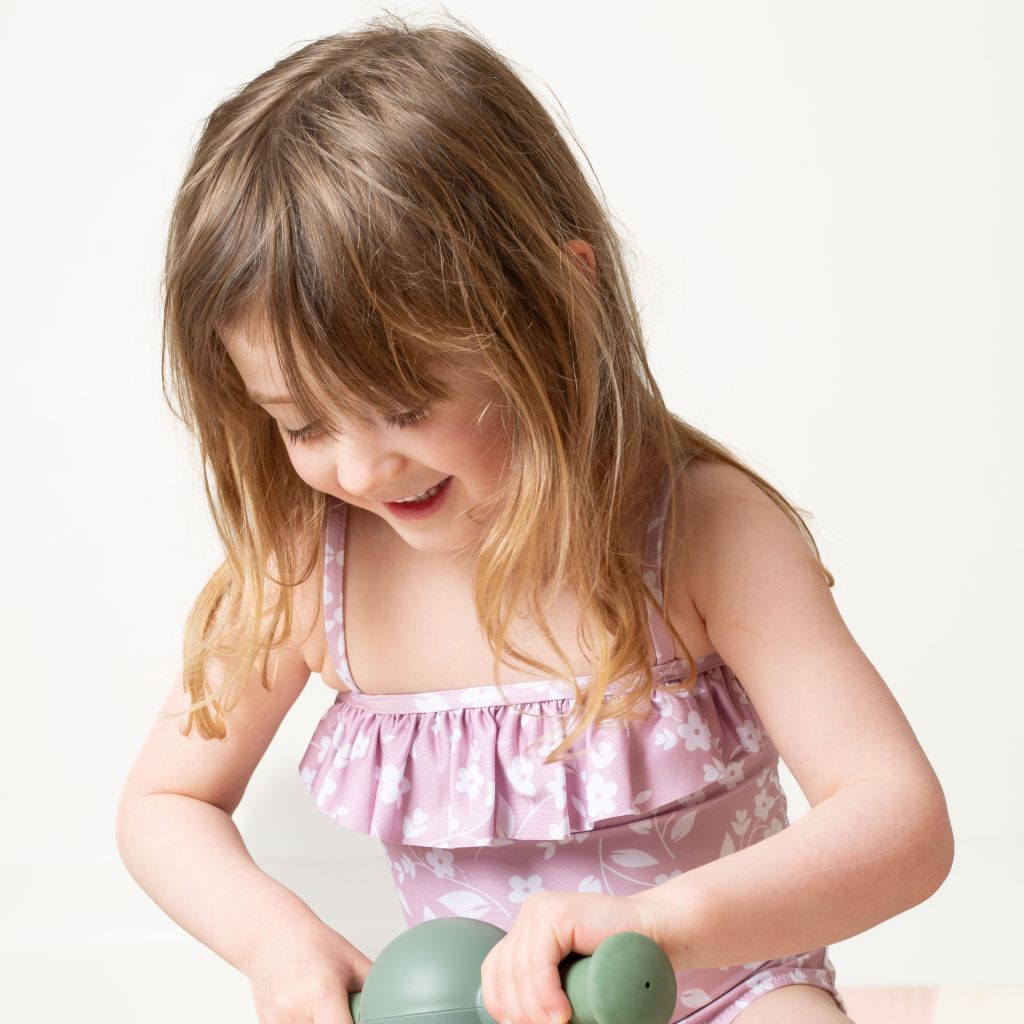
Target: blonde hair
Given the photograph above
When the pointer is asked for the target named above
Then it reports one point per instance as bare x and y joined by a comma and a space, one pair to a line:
388, 201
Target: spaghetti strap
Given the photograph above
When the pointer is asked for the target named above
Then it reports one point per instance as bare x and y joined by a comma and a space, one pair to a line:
334, 589
664, 648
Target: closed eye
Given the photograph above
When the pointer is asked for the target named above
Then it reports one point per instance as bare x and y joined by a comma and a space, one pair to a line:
401, 420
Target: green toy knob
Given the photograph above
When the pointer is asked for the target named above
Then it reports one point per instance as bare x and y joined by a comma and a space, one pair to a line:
430, 974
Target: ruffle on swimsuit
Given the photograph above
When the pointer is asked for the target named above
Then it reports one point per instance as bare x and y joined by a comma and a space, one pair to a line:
464, 767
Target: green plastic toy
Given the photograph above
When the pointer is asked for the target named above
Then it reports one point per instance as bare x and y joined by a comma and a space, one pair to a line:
430, 974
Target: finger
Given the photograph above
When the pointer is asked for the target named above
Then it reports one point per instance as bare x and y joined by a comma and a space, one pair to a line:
490, 988
542, 997
333, 1009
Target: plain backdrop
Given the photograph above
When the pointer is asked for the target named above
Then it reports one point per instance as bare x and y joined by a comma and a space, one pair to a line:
825, 203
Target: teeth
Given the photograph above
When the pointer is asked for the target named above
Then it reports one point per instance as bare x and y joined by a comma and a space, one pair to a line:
428, 493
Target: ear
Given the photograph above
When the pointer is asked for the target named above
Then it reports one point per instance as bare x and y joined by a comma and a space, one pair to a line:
585, 254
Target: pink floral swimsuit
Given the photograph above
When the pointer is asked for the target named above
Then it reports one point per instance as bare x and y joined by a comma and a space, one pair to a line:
473, 823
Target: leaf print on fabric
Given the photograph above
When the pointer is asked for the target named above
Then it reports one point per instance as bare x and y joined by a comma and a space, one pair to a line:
741, 823
682, 825
665, 738
463, 903
431, 702
694, 997
633, 859
506, 819
590, 884
603, 755
416, 824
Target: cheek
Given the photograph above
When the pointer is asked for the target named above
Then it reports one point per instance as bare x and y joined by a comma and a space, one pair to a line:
312, 469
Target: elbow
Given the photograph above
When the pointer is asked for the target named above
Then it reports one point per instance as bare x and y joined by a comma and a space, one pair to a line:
937, 854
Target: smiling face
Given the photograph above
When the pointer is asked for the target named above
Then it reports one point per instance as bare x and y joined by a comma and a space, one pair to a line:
385, 458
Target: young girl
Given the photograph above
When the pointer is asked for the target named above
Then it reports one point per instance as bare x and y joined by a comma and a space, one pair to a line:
570, 634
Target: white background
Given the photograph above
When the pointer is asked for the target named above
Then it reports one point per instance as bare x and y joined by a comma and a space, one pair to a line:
825, 202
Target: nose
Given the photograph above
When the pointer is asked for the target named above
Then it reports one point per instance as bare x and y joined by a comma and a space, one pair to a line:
365, 467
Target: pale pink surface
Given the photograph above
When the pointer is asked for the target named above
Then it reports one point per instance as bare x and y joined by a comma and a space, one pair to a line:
473, 823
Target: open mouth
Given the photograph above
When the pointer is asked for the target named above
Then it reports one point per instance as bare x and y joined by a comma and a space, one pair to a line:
420, 507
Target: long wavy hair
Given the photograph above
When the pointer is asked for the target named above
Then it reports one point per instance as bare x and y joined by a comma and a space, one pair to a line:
390, 201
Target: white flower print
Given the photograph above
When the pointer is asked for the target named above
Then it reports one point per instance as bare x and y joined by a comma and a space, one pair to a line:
391, 784
556, 787
324, 746
695, 731
599, 797
360, 745
342, 756
714, 771
662, 879
470, 780
327, 787
520, 774
750, 736
763, 803
441, 861
524, 888
732, 774
590, 884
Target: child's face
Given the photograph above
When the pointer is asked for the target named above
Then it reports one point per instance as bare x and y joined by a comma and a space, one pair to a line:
462, 437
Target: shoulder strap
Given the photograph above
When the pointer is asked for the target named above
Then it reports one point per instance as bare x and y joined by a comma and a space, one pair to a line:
664, 648
334, 589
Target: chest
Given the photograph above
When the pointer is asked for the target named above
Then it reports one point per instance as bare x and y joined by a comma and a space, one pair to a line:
407, 630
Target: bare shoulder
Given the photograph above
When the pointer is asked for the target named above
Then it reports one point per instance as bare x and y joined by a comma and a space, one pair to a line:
770, 614
729, 526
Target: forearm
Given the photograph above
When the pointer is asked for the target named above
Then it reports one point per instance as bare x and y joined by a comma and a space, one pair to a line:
867, 853
189, 857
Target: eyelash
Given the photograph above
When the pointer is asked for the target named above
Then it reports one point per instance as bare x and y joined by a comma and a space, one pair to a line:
402, 420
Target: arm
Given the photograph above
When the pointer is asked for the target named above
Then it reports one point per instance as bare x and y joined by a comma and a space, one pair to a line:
174, 829
189, 857
877, 840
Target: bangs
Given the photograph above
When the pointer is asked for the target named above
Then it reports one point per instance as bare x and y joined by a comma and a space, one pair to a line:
368, 305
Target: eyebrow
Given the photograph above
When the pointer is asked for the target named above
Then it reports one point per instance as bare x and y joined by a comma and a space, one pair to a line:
269, 399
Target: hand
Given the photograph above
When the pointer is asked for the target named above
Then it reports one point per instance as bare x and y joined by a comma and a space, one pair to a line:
303, 975
520, 983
